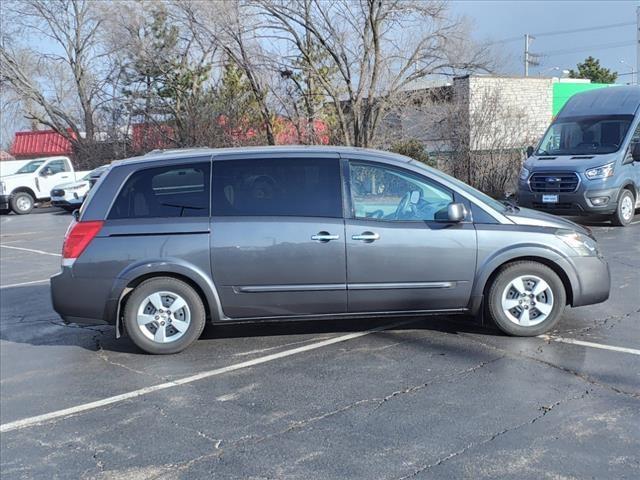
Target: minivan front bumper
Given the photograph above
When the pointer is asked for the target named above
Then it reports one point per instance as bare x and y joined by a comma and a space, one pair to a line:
592, 281
580, 202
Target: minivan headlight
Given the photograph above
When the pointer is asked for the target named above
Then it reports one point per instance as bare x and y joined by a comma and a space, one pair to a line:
524, 173
583, 245
600, 172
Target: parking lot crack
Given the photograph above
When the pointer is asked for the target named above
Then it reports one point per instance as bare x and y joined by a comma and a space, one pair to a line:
216, 442
543, 411
610, 321
415, 388
102, 354
582, 376
377, 401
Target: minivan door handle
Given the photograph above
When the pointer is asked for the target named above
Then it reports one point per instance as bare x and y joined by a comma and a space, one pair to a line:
366, 237
324, 237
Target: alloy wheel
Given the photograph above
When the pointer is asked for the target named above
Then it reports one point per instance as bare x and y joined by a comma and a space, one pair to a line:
527, 300
163, 317
626, 207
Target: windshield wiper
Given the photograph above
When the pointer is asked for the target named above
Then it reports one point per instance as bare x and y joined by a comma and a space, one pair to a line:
510, 206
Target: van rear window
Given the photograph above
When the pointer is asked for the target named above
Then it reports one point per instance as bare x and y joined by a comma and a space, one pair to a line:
175, 191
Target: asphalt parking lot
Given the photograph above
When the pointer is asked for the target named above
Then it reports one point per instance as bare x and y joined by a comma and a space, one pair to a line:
395, 399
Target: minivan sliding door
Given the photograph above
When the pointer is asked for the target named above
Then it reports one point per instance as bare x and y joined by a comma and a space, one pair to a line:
277, 235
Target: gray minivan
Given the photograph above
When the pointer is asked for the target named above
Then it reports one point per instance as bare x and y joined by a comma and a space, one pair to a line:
170, 241
588, 162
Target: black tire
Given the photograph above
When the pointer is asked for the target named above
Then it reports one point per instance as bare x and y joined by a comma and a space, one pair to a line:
503, 279
164, 284
619, 217
22, 203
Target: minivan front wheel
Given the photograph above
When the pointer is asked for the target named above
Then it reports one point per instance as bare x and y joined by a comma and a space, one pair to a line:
626, 209
164, 315
526, 299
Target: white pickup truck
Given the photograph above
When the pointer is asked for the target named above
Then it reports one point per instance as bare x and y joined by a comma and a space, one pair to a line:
33, 182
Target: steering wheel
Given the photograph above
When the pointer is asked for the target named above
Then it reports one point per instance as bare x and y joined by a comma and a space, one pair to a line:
376, 214
402, 206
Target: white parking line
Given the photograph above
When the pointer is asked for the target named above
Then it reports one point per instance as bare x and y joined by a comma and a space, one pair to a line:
31, 421
24, 283
41, 252
573, 341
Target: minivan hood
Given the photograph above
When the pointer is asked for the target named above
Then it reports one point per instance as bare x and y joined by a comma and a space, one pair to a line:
572, 163
526, 216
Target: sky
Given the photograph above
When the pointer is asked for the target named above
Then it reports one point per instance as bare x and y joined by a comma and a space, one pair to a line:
510, 19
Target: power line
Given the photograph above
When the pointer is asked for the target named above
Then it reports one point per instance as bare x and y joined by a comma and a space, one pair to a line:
563, 32
588, 48
584, 29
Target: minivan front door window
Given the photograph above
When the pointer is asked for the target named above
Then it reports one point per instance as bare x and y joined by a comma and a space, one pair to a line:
585, 135
388, 194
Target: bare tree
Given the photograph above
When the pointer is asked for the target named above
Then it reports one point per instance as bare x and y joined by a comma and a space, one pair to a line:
233, 26
62, 84
475, 132
378, 50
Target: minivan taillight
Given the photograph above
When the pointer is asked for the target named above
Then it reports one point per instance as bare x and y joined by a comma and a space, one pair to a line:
79, 237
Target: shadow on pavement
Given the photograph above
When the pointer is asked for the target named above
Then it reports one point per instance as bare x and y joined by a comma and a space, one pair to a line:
41, 326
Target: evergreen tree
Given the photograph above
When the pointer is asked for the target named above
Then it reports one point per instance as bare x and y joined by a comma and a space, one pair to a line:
592, 70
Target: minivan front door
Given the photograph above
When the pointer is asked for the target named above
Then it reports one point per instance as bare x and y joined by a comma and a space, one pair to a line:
277, 235
399, 258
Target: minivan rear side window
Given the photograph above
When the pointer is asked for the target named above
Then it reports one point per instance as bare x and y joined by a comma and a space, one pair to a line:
302, 187
173, 191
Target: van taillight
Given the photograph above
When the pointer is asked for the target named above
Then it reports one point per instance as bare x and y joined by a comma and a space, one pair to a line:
79, 237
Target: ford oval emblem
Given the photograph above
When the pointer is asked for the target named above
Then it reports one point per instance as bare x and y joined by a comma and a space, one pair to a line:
553, 179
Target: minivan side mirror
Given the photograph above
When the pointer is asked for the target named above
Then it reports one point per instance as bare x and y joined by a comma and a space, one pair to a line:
529, 151
455, 212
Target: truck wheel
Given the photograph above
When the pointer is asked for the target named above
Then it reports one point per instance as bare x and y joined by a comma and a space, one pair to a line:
626, 209
164, 315
22, 203
526, 299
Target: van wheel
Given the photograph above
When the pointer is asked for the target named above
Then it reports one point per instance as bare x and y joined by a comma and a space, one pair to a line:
626, 209
164, 315
22, 203
526, 299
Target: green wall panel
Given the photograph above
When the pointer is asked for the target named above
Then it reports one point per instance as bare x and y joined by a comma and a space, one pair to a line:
564, 91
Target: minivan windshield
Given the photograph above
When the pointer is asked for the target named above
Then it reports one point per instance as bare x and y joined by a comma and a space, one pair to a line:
585, 135
30, 167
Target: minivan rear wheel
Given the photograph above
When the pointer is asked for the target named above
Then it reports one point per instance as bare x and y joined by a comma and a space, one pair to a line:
625, 210
164, 315
526, 299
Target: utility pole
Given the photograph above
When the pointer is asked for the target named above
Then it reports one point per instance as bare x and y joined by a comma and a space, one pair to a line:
531, 59
526, 53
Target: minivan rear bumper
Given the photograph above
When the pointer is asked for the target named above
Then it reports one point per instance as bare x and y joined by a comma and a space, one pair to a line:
79, 300
575, 203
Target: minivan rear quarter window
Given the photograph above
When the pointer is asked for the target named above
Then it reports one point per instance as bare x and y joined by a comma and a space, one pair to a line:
174, 191
303, 187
